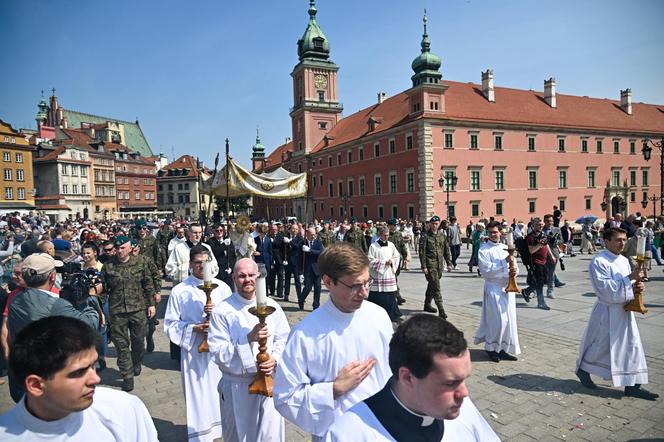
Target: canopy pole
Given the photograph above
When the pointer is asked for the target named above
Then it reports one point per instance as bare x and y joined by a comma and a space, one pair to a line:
228, 199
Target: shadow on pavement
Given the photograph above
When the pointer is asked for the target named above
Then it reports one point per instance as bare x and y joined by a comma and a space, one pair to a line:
533, 382
588, 294
169, 432
111, 377
160, 360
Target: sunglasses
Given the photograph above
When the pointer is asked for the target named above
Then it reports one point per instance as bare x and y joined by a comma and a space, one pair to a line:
109, 250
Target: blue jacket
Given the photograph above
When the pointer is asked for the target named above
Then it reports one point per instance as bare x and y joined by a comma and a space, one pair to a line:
265, 249
311, 257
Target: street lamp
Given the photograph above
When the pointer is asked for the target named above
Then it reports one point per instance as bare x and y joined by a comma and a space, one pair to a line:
345, 198
647, 153
449, 181
653, 198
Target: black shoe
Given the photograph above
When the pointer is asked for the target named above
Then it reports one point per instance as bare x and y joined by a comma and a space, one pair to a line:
150, 346
400, 300
300, 305
442, 314
561, 284
526, 295
544, 307
584, 377
641, 393
127, 384
137, 370
506, 356
493, 356
430, 309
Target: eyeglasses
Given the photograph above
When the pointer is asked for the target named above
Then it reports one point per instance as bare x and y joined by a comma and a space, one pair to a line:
355, 288
108, 250
144, 228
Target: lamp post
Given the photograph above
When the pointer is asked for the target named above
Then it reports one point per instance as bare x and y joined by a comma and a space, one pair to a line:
653, 198
345, 198
647, 152
449, 180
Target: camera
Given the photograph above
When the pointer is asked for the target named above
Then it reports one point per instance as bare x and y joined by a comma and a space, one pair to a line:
76, 285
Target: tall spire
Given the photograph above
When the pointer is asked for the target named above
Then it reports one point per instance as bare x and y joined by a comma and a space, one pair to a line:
426, 43
313, 45
43, 109
426, 65
258, 150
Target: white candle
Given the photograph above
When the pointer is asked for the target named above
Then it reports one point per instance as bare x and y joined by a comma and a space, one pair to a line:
207, 272
261, 293
641, 246
510, 240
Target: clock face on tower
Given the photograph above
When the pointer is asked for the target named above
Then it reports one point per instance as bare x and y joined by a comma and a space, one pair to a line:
320, 81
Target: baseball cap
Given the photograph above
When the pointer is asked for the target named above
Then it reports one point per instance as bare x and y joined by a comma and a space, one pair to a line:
41, 263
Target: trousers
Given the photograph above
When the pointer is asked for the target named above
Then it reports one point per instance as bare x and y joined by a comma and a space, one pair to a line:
128, 331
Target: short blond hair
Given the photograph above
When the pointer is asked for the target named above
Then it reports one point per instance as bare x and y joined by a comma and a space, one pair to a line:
340, 259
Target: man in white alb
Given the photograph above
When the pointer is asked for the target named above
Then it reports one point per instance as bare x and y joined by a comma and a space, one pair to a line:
337, 355
177, 266
54, 360
498, 321
233, 340
611, 346
184, 323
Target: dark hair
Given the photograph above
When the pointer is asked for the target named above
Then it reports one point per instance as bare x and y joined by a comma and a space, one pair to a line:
493, 224
342, 258
90, 245
198, 249
43, 347
547, 216
611, 231
417, 340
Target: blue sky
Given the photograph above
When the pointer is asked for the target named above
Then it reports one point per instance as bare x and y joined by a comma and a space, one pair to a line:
196, 72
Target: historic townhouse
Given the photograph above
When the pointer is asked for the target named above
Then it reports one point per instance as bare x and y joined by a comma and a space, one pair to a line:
18, 191
178, 188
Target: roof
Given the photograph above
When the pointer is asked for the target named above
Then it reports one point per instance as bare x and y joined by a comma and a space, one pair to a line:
274, 159
184, 162
466, 102
15, 205
134, 137
53, 207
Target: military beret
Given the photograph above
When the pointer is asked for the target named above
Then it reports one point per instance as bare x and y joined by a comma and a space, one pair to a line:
392, 222
434, 219
167, 222
120, 240
134, 242
353, 219
139, 223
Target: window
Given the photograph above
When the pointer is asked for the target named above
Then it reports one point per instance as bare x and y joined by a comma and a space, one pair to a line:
531, 144
584, 145
393, 146
9, 193
409, 142
448, 140
362, 186
475, 184
591, 178
632, 197
561, 144
340, 186
532, 206
632, 147
137, 195
562, 204
97, 175
615, 175
146, 181
589, 202
473, 141
351, 188
532, 178
562, 179
13, 140
500, 179
393, 182
331, 212
365, 212
381, 212
599, 146
329, 161
474, 208
84, 171
321, 96
84, 188
411, 211
19, 157
20, 194
616, 146
8, 174
448, 174
6, 156
64, 170
361, 153
315, 178
377, 187
74, 189
376, 150
65, 189
632, 177
498, 142
350, 156
322, 125
74, 170
338, 159
330, 189
499, 208
644, 178
410, 181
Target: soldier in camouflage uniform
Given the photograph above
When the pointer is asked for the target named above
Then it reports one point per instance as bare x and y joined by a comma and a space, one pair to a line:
326, 235
129, 286
434, 255
396, 238
149, 249
164, 236
355, 236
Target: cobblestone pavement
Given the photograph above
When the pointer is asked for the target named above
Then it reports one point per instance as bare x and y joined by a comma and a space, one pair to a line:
536, 398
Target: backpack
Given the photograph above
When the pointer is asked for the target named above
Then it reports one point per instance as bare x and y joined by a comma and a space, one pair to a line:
522, 247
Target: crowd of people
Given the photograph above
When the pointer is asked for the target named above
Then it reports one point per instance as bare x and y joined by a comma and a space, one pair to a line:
343, 364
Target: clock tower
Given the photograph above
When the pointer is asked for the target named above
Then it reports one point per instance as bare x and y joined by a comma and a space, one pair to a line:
316, 108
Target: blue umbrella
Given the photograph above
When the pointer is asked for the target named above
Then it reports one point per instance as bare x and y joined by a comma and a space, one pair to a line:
583, 219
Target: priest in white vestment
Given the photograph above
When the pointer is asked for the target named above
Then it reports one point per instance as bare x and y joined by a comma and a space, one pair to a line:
611, 346
426, 399
184, 323
384, 261
233, 340
337, 355
498, 320
177, 266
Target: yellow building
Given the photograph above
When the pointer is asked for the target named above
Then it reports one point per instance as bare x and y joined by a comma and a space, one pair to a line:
17, 192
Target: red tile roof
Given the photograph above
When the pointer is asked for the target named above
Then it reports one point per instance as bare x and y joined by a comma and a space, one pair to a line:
465, 102
184, 162
274, 160
78, 137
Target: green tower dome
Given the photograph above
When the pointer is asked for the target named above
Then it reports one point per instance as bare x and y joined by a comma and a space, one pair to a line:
258, 150
43, 109
313, 44
426, 65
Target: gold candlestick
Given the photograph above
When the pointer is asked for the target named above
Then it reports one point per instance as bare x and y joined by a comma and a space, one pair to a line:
262, 383
207, 287
511, 285
636, 304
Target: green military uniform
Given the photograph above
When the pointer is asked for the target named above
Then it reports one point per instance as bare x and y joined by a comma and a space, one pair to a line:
355, 236
149, 251
396, 238
130, 290
434, 256
326, 236
164, 236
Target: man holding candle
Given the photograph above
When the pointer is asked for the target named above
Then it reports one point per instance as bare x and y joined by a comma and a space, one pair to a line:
498, 321
233, 340
185, 325
611, 346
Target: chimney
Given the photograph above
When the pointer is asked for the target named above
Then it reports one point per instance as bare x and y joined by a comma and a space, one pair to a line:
381, 97
626, 101
550, 92
487, 85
